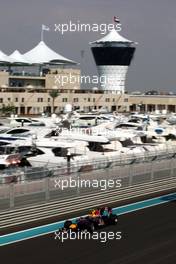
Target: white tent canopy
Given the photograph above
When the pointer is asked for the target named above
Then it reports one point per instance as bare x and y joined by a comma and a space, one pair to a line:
42, 54
17, 57
112, 36
4, 58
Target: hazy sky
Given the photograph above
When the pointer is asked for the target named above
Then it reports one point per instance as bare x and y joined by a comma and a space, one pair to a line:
152, 23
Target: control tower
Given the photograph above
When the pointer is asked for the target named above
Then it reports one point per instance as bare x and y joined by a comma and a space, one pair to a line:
113, 55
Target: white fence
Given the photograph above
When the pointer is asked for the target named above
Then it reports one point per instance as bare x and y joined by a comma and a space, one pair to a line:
45, 187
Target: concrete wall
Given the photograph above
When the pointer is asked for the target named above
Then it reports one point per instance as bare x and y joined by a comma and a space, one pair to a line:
63, 78
4, 78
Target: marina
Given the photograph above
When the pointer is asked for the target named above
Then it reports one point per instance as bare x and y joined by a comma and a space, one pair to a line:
75, 139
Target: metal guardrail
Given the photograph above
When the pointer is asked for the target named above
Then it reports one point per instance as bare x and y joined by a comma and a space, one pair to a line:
30, 192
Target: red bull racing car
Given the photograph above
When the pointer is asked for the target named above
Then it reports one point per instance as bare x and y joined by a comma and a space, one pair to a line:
96, 219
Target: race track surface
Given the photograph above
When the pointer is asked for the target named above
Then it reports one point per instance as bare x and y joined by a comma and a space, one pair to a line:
148, 237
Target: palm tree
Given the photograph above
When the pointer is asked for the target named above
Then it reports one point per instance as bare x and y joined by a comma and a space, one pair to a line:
54, 94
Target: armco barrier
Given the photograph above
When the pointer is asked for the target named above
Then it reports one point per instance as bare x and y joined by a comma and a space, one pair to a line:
31, 192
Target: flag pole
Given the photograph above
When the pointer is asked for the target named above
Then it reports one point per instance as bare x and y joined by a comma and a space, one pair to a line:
42, 34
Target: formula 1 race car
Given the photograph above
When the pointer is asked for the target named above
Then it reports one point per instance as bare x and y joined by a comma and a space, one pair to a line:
96, 219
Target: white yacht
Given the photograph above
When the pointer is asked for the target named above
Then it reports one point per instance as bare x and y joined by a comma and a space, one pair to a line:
9, 158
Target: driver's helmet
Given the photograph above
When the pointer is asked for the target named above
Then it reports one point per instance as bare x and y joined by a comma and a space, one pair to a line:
73, 226
92, 213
